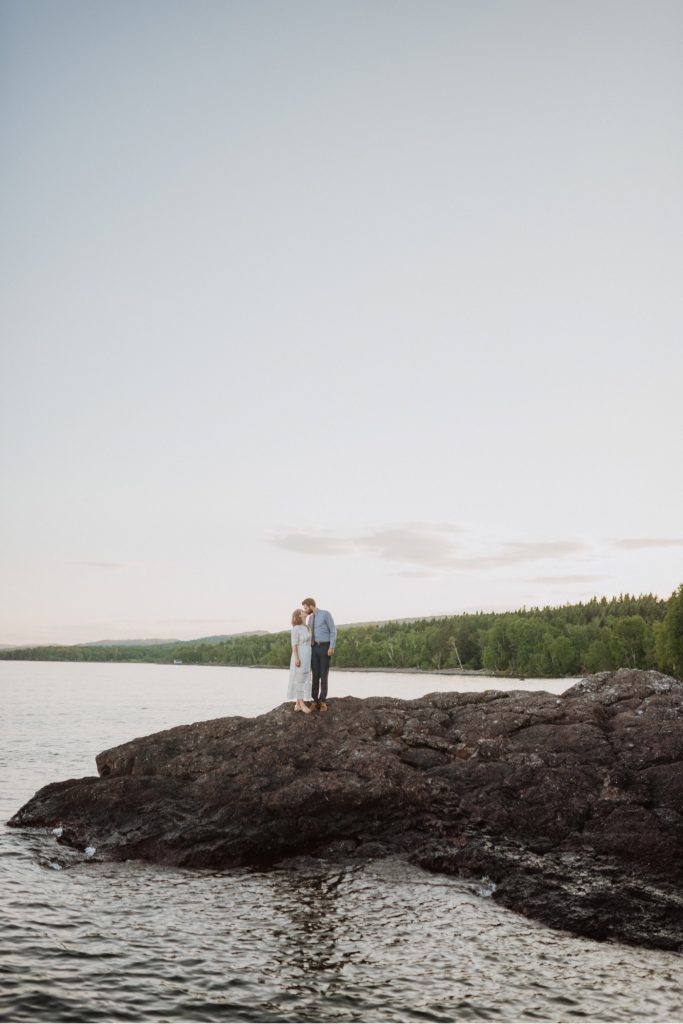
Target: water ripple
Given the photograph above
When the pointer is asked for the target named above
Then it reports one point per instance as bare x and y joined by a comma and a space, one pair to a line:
385, 942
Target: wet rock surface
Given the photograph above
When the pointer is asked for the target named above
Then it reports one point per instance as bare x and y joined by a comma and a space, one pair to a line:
571, 807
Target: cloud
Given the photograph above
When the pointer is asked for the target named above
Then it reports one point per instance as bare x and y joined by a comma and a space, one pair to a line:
424, 544
314, 544
105, 565
566, 579
519, 552
428, 546
190, 622
415, 543
417, 574
638, 543
418, 544
530, 551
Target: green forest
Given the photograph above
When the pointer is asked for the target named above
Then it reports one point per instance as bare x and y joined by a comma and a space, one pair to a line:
635, 632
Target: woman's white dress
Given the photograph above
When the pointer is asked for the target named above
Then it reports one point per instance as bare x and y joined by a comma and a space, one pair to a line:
299, 687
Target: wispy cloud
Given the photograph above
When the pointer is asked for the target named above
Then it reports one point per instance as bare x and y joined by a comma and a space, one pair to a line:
424, 544
192, 622
417, 574
638, 543
430, 547
105, 565
315, 543
519, 552
416, 543
566, 579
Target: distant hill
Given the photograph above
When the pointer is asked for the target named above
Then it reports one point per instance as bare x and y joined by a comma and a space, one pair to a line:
129, 643
216, 639
172, 643
225, 636
386, 622
150, 642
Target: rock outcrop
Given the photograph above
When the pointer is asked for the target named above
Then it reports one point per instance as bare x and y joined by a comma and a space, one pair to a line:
572, 806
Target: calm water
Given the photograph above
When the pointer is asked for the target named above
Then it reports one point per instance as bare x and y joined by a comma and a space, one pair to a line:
90, 941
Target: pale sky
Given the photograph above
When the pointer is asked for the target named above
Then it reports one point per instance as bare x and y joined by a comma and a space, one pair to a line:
376, 301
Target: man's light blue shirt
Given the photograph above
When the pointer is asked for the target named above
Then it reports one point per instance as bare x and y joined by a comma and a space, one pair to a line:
325, 628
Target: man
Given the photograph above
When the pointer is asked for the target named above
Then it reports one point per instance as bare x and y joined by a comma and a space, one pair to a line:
323, 639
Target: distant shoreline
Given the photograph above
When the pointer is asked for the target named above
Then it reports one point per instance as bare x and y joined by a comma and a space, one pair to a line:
461, 672
406, 671
532, 643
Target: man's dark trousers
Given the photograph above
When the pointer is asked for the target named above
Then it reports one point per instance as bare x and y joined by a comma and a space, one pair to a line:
320, 667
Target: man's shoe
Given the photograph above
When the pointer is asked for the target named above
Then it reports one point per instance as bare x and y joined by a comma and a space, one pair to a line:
322, 706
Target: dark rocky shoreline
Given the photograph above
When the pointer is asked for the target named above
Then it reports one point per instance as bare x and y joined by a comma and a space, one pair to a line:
571, 805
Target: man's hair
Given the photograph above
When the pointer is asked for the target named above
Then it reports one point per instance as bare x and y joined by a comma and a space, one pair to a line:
309, 601
298, 617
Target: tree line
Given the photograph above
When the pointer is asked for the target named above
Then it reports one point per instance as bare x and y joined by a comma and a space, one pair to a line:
626, 631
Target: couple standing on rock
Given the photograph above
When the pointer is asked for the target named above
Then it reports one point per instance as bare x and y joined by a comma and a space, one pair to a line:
314, 635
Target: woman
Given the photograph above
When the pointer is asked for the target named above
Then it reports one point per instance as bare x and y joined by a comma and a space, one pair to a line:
299, 688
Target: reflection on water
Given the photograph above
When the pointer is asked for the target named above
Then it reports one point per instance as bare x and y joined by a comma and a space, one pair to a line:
383, 942
312, 942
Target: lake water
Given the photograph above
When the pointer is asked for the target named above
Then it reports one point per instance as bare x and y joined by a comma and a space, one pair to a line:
90, 941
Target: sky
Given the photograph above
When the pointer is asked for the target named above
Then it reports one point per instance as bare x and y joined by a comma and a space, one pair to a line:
374, 301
